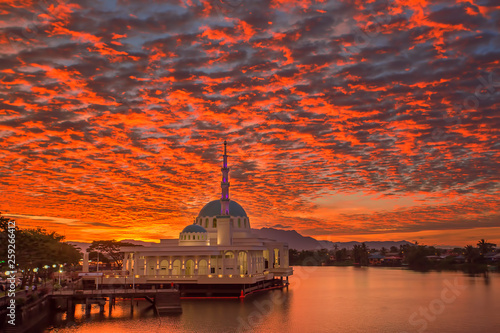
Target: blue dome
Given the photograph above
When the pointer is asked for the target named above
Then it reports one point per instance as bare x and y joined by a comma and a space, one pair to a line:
213, 209
194, 228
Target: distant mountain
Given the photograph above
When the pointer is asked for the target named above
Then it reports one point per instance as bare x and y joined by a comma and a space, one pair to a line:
372, 245
136, 242
298, 242
293, 238
81, 245
84, 246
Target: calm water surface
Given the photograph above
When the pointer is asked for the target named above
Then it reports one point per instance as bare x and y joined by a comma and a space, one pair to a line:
325, 299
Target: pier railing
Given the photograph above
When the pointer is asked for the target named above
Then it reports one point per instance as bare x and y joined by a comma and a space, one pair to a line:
105, 292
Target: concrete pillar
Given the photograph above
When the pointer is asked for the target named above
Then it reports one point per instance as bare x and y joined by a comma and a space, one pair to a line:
224, 231
88, 307
71, 308
249, 263
222, 263
271, 258
236, 267
85, 268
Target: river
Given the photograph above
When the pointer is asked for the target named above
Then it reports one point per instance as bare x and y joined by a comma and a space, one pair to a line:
324, 299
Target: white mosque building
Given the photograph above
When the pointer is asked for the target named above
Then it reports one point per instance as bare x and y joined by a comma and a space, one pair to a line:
217, 254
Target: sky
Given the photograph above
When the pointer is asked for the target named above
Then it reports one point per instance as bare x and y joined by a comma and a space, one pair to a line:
345, 120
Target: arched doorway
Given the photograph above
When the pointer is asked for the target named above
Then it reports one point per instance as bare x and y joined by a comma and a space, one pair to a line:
266, 258
276, 258
176, 267
229, 263
242, 262
164, 267
189, 268
151, 267
203, 267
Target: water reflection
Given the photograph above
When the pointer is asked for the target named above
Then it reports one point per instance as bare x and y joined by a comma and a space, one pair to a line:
323, 299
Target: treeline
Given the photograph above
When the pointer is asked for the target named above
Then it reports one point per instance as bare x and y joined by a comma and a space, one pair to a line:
108, 252
473, 259
37, 253
341, 257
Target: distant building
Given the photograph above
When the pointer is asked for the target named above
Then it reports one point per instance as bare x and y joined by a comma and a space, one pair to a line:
376, 259
216, 254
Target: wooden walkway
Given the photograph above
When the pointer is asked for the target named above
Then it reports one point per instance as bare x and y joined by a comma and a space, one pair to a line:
119, 293
164, 300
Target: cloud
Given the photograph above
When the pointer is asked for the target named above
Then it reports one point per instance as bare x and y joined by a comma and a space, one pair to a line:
115, 120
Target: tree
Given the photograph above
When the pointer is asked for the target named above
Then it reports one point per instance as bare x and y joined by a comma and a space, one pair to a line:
485, 247
470, 253
341, 255
360, 254
111, 249
36, 248
417, 257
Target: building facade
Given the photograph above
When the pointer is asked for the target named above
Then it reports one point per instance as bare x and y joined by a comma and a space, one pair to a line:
217, 249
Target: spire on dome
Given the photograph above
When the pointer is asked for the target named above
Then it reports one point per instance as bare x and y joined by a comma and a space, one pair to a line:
224, 200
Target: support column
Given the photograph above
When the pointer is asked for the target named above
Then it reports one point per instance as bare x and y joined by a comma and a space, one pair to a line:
71, 308
222, 264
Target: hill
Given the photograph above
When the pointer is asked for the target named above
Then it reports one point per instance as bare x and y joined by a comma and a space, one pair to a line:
293, 238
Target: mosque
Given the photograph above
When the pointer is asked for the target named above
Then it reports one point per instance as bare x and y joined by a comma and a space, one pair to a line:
216, 255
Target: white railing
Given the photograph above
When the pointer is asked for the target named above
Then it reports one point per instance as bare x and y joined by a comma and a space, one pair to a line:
172, 277
110, 291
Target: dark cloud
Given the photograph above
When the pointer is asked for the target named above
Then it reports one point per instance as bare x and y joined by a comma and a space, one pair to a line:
120, 111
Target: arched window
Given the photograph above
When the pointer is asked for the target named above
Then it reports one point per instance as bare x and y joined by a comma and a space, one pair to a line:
206, 223
245, 222
215, 223
176, 267
203, 267
239, 223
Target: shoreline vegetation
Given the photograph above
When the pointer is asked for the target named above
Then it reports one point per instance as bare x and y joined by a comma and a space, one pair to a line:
482, 258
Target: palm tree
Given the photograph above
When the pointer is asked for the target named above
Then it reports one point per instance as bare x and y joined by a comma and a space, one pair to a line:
485, 247
470, 253
364, 254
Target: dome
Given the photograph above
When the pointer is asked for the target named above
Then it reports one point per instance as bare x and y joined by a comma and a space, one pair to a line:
213, 209
194, 228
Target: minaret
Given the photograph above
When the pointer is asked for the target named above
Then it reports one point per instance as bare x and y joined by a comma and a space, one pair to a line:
224, 200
